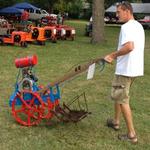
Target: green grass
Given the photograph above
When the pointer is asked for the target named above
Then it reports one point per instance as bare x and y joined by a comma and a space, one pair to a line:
54, 60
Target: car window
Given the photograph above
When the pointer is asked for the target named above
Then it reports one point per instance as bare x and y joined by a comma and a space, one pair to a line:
44, 12
31, 10
38, 11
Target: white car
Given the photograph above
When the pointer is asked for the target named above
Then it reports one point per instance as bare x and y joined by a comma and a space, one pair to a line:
37, 14
145, 22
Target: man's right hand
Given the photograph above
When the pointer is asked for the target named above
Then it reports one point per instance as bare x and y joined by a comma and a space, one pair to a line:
110, 58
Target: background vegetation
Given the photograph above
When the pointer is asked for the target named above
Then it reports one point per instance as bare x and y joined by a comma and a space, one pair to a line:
54, 60
75, 8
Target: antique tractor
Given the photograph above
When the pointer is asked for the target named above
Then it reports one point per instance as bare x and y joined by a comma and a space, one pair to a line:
16, 37
70, 32
65, 32
31, 103
50, 33
36, 34
60, 32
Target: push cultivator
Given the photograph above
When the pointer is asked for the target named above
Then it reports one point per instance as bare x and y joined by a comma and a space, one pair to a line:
31, 103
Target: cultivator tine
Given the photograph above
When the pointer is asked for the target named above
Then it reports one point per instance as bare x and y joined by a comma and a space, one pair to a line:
68, 114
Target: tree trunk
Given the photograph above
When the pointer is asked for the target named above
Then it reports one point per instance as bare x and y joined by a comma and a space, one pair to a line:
98, 21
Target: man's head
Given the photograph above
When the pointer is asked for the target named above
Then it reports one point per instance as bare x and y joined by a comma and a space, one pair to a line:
124, 11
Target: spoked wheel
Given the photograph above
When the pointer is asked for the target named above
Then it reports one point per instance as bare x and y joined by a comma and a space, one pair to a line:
47, 112
26, 108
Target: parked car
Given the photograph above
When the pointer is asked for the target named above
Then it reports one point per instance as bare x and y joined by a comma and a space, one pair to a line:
37, 14
145, 22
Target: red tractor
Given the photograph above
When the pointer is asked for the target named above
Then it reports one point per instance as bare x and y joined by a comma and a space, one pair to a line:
16, 37
50, 33
65, 32
70, 32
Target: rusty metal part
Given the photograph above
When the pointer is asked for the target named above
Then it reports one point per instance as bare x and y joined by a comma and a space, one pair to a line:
67, 113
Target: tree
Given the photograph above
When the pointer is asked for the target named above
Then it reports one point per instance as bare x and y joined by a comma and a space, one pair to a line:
45, 4
98, 21
6, 3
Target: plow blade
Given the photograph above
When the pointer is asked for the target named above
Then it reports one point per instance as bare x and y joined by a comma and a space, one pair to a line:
72, 112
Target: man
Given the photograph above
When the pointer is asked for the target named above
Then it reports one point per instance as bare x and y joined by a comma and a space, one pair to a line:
130, 64
24, 17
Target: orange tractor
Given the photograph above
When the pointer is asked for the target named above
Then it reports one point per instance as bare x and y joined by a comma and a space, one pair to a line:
36, 34
16, 37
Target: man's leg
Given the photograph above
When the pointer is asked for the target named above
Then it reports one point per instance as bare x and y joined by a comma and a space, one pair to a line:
126, 110
114, 123
117, 115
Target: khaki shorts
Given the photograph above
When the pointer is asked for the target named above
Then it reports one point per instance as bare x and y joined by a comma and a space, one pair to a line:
120, 88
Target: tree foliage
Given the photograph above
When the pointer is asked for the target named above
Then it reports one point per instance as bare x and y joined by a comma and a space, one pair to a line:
145, 1
74, 7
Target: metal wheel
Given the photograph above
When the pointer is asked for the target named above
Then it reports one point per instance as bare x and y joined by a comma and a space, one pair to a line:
1, 42
35, 33
72, 38
26, 108
17, 38
46, 112
49, 106
41, 42
24, 44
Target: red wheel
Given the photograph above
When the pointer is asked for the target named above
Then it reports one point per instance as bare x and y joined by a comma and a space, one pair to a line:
48, 106
26, 108
47, 111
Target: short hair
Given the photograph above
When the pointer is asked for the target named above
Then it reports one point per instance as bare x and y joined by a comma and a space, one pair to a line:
125, 5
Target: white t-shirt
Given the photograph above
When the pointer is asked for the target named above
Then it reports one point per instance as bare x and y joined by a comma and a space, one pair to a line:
131, 64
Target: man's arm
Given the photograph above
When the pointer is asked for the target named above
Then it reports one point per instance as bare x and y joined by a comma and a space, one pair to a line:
127, 48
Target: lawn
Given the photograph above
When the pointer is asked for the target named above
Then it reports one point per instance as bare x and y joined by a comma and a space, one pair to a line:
55, 60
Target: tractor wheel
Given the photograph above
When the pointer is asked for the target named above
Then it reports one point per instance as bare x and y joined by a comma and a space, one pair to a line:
1, 42
24, 44
41, 42
54, 41
17, 38
35, 33
27, 107
72, 38
47, 111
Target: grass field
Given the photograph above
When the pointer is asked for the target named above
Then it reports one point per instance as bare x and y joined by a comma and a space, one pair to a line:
54, 60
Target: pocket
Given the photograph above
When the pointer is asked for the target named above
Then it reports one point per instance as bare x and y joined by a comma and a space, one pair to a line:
118, 92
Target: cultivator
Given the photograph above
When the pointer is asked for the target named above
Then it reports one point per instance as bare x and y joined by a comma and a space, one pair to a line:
31, 103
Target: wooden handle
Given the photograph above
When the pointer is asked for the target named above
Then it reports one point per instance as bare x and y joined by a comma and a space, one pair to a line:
77, 70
